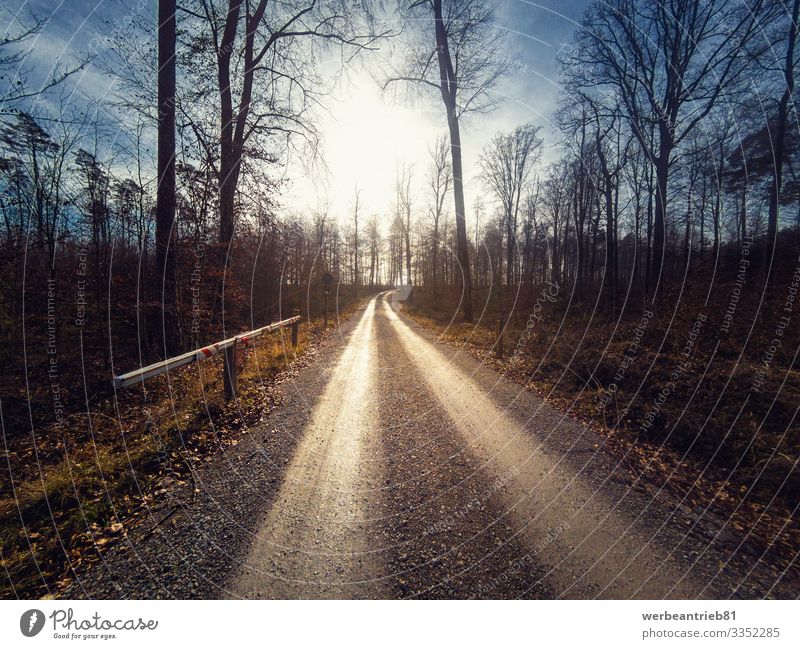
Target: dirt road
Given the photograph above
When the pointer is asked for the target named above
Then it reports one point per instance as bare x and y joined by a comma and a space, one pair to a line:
421, 469
397, 466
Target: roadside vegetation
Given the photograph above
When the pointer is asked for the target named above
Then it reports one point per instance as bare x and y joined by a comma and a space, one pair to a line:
76, 487
713, 428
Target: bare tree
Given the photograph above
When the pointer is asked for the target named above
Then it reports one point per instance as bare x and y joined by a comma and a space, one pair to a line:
14, 47
605, 130
403, 211
263, 59
457, 53
554, 192
506, 163
165, 193
356, 209
780, 140
530, 232
575, 122
440, 181
669, 64
264, 77
374, 239
41, 158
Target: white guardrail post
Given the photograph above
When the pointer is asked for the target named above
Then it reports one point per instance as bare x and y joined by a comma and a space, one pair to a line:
144, 373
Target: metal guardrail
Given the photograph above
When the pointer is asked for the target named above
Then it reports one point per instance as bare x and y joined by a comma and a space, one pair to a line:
137, 376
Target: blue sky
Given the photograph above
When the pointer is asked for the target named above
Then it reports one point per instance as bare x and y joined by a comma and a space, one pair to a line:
358, 112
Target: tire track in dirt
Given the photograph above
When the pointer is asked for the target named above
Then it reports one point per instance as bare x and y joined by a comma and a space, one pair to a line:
443, 516
316, 540
396, 468
594, 548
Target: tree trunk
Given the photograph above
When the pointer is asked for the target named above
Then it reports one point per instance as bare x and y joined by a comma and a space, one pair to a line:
461, 226
609, 278
165, 193
659, 220
779, 144
703, 221
743, 214
355, 245
637, 229
228, 168
649, 233
555, 271
510, 232
448, 86
407, 236
435, 256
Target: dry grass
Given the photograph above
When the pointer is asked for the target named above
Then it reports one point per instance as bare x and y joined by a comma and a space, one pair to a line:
712, 443
76, 487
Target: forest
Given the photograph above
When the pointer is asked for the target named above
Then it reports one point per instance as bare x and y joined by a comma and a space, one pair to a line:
645, 233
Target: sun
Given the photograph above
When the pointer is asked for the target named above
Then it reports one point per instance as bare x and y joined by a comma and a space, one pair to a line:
366, 135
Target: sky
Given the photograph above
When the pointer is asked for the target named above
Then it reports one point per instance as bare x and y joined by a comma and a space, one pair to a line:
366, 134
360, 115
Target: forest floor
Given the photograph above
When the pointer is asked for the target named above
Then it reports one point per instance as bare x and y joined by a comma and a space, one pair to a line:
394, 464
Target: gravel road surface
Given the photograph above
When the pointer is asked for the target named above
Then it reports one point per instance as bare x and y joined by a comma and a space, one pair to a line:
396, 466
